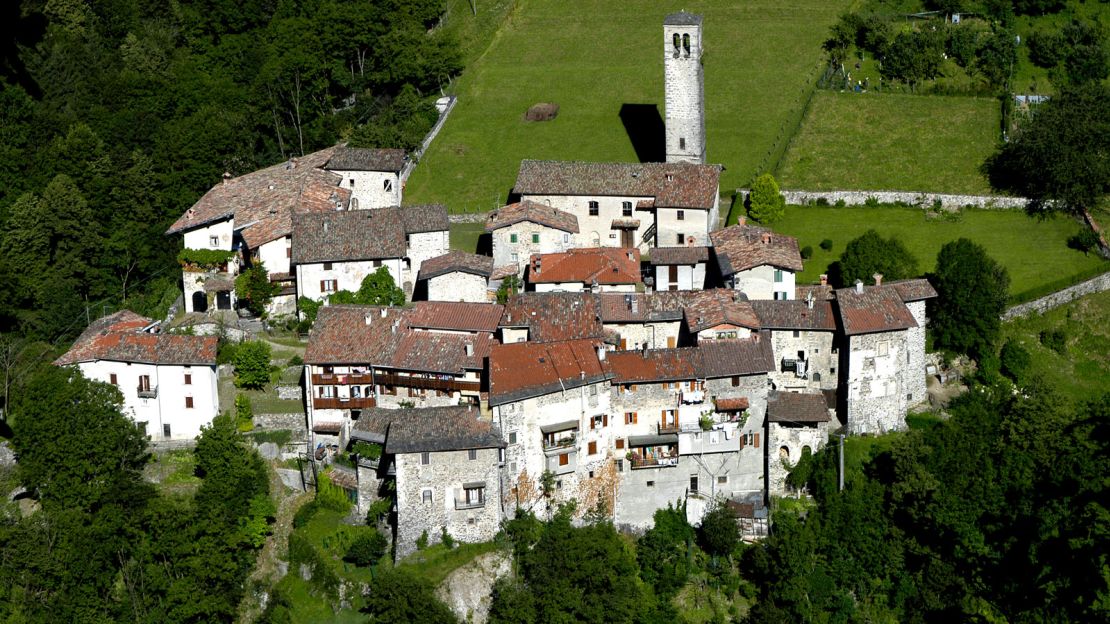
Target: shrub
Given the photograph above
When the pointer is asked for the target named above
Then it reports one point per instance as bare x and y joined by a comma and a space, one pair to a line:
378, 509
244, 415
766, 203
331, 496
252, 364
840, 203
366, 549
871, 202
447, 540
1015, 361
368, 450
226, 352
305, 513
422, 541
989, 368
1055, 339
254, 289
807, 252
822, 201
205, 259
1084, 241
826, 245
296, 360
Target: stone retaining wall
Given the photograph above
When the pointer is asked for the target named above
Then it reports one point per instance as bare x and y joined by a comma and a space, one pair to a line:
924, 200
1060, 297
468, 217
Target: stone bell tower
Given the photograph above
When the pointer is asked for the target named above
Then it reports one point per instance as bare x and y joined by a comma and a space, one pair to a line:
683, 81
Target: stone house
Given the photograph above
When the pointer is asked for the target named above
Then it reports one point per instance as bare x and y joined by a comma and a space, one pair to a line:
638, 320
456, 276
445, 466
914, 293
372, 176
595, 269
427, 236
686, 425
168, 381
629, 205
797, 423
804, 340
250, 218
551, 403
520, 230
679, 268
717, 314
756, 261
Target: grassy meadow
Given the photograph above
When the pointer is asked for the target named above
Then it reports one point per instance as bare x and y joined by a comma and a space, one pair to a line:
892, 142
1034, 251
591, 57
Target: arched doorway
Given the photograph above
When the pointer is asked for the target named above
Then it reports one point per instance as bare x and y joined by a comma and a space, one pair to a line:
200, 302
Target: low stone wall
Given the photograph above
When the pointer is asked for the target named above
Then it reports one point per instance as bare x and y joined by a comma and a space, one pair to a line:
923, 200
290, 393
1060, 297
468, 217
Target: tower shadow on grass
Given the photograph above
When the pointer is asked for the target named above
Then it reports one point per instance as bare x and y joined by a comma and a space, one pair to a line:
645, 129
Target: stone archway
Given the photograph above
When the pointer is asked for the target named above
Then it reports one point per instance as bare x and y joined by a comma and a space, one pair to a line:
200, 302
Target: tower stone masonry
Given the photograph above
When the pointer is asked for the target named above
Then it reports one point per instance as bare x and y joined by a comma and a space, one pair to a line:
683, 85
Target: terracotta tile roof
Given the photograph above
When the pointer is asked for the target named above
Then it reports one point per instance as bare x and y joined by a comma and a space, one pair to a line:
456, 261
529, 369
671, 185
679, 255
742, 247
348, 235
732, 405
501, 272
365, 159
820, 293
795, 315
876, 309
914, 289
709, 308
120, 337
665, 305
533, 212
425, 218
455, 316
552, 317
263, 202
796, 407
352, 334
710, 359
600, 265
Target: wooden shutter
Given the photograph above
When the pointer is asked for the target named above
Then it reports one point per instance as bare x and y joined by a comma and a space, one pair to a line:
735, 380
188, 379
112, 379
605, 420
670, 342
323, 288
593, 448
624, 344
564, 459
743, 439
635, 418
188, 401
620, 443
756, 445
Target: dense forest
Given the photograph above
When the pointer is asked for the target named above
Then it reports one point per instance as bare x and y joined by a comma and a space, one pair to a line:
116, 116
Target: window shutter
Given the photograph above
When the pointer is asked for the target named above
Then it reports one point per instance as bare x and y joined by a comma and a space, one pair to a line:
113, 380
620, 443
322, 287
634, 418
743, 438
735, 380
605, 420
188, 401
756, 441
593, 448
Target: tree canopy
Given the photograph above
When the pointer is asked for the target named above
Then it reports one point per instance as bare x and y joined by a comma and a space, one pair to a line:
870, 254
972, 290
766, 203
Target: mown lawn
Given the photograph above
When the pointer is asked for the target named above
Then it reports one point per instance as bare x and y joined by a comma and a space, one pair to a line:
1034, 251
592, 56
892, 142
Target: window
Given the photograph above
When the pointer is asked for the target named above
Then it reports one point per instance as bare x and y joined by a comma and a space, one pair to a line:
682, 143
597, 422
472, 454
512, 437
513, 238
165, 431
377, 264
426, 496
566, 237
327, 266
516, 258
620, 443
189, 402
884, 348
535, 239
651, 484
564, 459
352, 182
113, 380
722, 480
592, 448
593, 209
620, 465
387, 186
213, 241
559, 484
797, 333
630, 418
909, 396
677, 44
288, 252
144, 383
591, 474
693, 483
474, 494
686, 43
188, 379
328, 286
626, 209
681, 215
735, 380
425, 458
778, 275
681, 238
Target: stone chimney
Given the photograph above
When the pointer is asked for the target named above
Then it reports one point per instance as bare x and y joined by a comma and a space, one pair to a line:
601, 353
469, 347
859, 287
643, 350
824, 279
227, 177
809, 300
743, 220
634, 304
878, 279
766, 238
368, 317
384, 312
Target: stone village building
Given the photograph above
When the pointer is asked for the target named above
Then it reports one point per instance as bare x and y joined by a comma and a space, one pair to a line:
456, 276
596, 269
520, 230
757, 261
168, 381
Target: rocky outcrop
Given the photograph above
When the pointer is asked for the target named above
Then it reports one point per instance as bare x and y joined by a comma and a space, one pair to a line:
468, 590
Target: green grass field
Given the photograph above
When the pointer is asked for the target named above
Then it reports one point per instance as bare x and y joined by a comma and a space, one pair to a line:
592, 56
892, 142
1034, 251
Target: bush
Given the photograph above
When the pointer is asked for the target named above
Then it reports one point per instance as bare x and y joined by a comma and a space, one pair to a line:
368, 450
366, 549
254, 289
422, 541
826, 245
1084, 241
840, 203
807, 252
252, 365
331, 496
305, 513
446, 539
244, 415
378, 509
296, 360
226, 352
822, 201
1055, 339
871, 202
766, 203
1015, 361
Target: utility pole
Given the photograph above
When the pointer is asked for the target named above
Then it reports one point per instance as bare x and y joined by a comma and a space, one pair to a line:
841, 480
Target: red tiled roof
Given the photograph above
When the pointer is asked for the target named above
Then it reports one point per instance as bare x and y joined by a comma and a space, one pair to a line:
533, 212
795, 314
601, 265
732, 405
664, 305
455, 316
264, 201
528, 369
709, 308
914, 289
876, 309
710, 359
671, 185
742, 247
120, 337
797, 407
456, 261
552, 317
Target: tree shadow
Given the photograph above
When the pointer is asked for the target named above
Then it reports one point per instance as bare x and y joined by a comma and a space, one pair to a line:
645, 129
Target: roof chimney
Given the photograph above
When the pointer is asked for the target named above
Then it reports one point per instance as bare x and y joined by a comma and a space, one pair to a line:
293, 162
824, 279
601, 353
325, 227
643, 350
384, 312
369, 318
859, 287
743, 220
227, 176
469, 349
635, 304
630, 256
878, 279
809, 300
766, 238
395, 324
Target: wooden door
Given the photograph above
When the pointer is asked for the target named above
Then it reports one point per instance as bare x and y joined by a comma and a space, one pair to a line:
628, 238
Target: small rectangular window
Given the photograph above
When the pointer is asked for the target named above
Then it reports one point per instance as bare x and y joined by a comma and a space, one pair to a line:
778, 275
213, 241
188, 379
512, 437
651, 484
592, 448
516, 258
797, 333
426, 496
288, 252
681, 143
722, 480
387, 185
113, 380
472, 454
535, 239
681, 238
352, 182
327, 266
188, 402
620, 443
594, 209
626, 209
425, 458
681, 215
566, 237
512, 238
630, 418
165, 431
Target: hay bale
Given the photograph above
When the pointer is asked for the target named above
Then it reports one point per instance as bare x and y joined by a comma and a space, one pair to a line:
544, 111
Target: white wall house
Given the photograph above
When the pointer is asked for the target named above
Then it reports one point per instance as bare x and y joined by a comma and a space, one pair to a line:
519, 231
373, 176
679, 268
756, 261
457, 276
168, 381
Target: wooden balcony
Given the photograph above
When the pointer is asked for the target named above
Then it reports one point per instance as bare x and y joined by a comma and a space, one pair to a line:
402, 381
668, 428
147, 392
353, 379
337, 403
653, 462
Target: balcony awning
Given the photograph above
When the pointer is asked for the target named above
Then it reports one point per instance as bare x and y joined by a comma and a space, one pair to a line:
563, 426
327, 427
653, 440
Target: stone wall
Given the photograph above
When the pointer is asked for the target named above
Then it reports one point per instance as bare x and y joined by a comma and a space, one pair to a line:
875, 382
913, 198
785, 442
1039, 306
819, 348
914, 375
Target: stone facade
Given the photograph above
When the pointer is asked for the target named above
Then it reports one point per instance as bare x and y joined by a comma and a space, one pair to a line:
515, 244
915, 377
875, 388
686, 227
422, 246
458, 286
815, 351
432, 495
655, 335
597, 230
347, 275
372, 189
684, 86
785, 445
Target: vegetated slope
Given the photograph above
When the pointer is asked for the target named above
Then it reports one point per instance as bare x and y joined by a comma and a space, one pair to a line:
892, 142
591, 57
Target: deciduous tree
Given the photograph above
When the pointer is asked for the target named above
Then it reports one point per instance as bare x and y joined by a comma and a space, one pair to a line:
972, 290
870, 254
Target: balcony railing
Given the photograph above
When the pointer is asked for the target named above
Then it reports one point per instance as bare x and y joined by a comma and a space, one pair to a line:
668, 428
338, 403
391, 379
147, 392
693, 396
653, 462
561, 444
463, 504
355, 379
